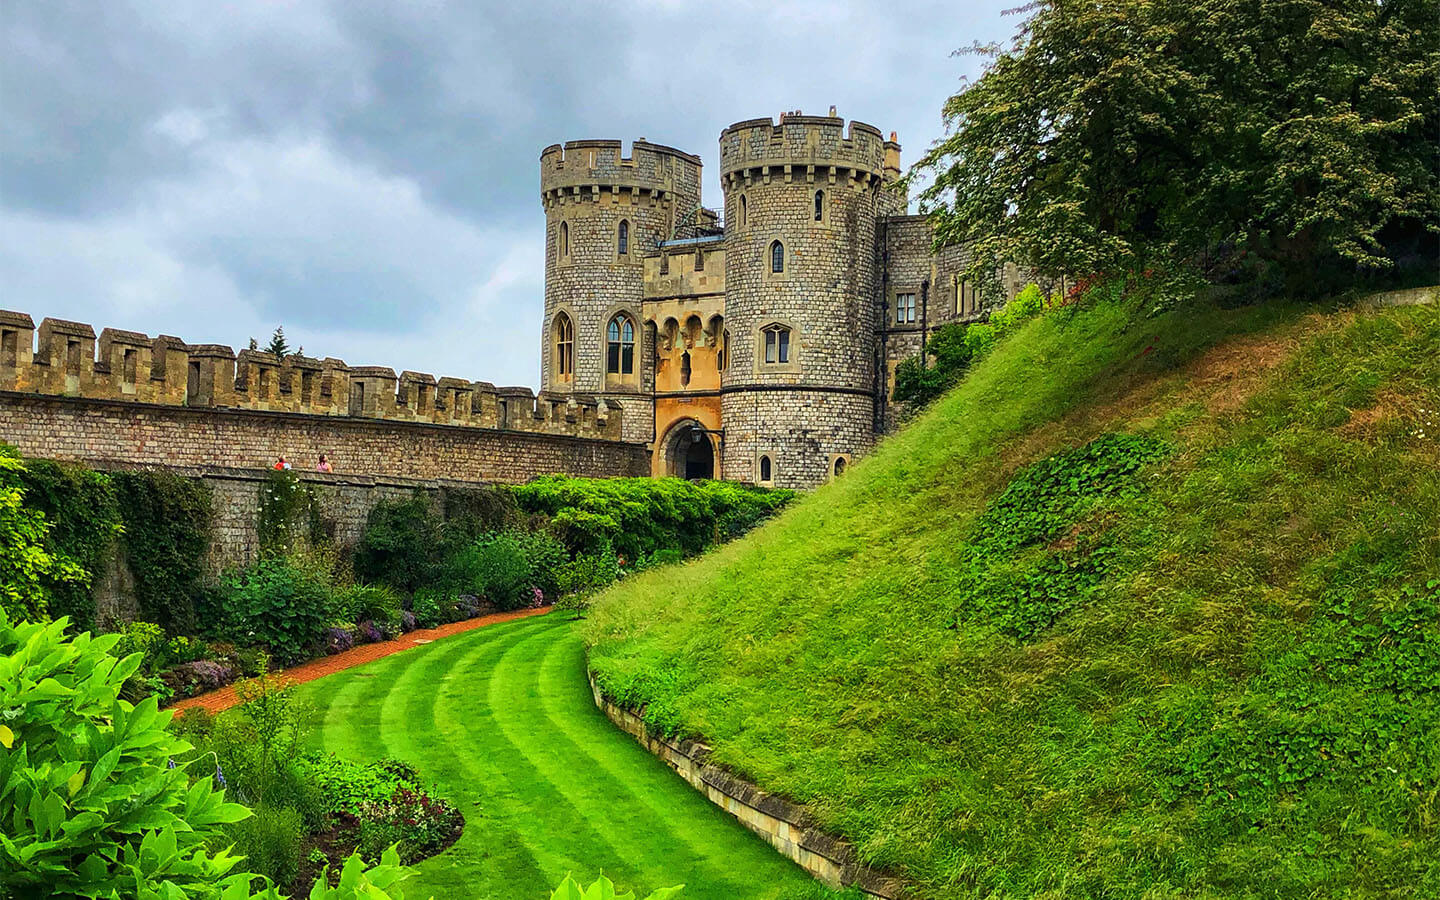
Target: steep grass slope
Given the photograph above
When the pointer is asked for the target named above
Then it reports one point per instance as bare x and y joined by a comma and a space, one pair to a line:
1145, 607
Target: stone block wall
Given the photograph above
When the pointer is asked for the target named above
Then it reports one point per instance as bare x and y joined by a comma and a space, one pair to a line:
100, 431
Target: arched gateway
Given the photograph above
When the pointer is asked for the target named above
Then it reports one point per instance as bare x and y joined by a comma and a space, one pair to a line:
689, 451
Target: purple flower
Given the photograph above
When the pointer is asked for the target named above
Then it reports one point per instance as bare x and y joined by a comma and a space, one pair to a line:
370, 633
407, 621
338, 640
219, 776
169, 763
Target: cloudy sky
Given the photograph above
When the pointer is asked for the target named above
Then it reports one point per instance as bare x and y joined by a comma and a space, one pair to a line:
366, 173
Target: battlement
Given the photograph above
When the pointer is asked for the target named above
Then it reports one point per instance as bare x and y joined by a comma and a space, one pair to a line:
167, 371
581, 169
805, 146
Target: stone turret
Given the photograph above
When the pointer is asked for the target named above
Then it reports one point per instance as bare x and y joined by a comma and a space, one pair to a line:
604, 212
802, 199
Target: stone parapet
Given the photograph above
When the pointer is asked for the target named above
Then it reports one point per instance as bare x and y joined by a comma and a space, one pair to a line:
582, 170
59, 358
807, 147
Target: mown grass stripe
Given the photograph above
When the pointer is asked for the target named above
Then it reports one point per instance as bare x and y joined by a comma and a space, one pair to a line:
502, 722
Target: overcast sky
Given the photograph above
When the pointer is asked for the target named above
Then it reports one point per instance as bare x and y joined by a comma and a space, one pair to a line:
366, 173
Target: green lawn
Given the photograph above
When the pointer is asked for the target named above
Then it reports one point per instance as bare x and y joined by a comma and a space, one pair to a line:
502, 721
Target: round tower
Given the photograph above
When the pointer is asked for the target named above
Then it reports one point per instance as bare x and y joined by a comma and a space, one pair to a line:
604, 213
801, 203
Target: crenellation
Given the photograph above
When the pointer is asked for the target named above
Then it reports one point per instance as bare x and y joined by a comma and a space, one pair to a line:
130, 366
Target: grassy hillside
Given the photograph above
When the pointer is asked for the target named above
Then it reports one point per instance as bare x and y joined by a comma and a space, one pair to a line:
1146, 607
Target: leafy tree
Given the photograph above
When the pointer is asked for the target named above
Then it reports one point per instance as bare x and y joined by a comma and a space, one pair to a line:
1252, 138
278, 345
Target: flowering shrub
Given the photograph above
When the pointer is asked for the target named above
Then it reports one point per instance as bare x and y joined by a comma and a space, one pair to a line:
370, 633
420, 825
279, 604
191, 678
408, 622
338, 639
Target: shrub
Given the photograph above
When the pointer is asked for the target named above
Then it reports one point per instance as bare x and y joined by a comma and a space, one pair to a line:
426, 606
338, 639
189, 679
418, 824
641, 515
377, 602
277, 605
497, 568
26, 566
408, 621
545, 555
370, 633
402, 545
271, 841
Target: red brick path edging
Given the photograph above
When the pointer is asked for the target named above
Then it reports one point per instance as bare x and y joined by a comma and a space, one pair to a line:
224, 698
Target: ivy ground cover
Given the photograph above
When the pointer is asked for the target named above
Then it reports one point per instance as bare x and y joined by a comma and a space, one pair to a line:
502, 721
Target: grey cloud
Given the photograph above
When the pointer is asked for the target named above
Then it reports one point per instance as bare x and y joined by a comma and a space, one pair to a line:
365, 172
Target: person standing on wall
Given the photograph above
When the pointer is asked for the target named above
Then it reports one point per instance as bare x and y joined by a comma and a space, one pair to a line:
281, 464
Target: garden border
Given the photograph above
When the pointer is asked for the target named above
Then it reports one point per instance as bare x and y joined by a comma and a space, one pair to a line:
787, 826
223, 698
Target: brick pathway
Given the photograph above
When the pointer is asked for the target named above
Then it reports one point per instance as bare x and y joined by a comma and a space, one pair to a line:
224, 698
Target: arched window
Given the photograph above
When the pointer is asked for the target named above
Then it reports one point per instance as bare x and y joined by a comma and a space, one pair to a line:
620, 346
777, 257
685, 368
819, 205
839, 466
743, 211
723, 351
623, 242
766, 470
777, 344
564, 239
564, 347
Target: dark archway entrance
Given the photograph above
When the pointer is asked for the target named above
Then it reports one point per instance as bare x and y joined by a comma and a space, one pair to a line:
689, 454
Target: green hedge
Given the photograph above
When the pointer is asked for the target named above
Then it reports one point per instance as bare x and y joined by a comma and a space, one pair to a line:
640, 516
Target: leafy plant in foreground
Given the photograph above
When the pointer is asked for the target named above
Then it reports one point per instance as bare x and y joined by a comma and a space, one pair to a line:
604, 889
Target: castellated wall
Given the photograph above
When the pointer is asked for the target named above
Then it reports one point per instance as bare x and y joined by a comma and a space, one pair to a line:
818, 189
162, 402
588, 188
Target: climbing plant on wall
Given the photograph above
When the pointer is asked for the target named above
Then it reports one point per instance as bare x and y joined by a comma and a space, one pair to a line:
167, 525
289, 516
84, 516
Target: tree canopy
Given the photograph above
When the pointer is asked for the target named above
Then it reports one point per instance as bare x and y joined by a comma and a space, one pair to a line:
1251, 139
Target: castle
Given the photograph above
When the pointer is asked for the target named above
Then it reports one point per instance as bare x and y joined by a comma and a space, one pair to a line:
761, 350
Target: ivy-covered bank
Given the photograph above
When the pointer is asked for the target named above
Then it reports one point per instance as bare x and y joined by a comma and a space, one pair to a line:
424, 558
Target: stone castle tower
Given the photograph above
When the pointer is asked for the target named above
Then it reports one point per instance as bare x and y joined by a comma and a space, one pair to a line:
603, 214
761, 350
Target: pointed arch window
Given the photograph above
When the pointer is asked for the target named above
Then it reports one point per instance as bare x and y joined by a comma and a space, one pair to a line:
819, 206
777, 257
685, 369
564, 239
620, 346
622, 242
777, 344
767, 471
564, 347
